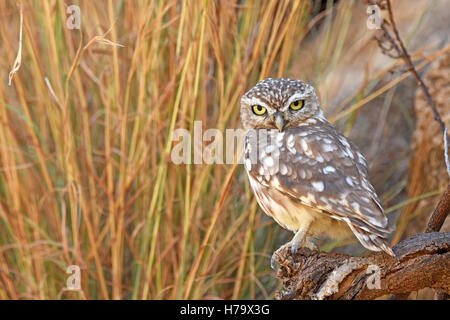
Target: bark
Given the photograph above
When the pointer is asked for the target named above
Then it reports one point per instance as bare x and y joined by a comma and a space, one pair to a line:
439, 214
421, 261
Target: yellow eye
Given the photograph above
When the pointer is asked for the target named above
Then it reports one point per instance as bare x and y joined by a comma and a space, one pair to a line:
259, 110
297, 105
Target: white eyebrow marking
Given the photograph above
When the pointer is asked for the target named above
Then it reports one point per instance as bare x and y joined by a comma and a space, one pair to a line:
255, 101
294, 97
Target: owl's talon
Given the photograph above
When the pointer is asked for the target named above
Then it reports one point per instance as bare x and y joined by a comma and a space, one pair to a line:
294, 248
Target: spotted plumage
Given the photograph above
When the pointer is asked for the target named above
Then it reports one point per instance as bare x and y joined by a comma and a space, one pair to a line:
304, 173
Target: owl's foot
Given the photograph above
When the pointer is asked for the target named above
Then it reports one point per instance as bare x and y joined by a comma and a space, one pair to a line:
303, 242
300, 240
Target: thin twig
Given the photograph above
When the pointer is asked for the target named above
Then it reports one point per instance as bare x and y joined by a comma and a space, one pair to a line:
405, 56
394, 48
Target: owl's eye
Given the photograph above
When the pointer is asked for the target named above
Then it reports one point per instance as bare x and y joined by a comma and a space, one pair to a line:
297, 105
259, 110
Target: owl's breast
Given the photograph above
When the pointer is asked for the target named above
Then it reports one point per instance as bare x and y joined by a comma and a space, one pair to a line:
287, 212
293, 215
281, 174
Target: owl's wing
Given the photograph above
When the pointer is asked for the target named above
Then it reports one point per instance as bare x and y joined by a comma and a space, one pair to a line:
319, 167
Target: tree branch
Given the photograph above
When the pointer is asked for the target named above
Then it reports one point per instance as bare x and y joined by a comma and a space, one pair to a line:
421, 261
440, 213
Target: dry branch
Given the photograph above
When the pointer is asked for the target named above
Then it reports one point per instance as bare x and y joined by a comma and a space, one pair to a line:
422, 261
440, 213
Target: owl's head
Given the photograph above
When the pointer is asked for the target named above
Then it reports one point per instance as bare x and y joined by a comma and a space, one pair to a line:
279, 104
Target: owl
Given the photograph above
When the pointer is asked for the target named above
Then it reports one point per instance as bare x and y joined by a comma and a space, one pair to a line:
307, 176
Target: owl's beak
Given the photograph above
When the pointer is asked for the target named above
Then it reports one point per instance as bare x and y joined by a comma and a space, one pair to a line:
279, 121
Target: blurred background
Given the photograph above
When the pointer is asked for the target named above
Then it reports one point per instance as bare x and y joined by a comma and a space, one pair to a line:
86, 131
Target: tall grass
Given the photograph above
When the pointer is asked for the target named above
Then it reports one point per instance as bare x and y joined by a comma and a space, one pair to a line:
85, 138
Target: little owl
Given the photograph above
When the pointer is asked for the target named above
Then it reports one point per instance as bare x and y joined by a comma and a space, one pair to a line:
305, 174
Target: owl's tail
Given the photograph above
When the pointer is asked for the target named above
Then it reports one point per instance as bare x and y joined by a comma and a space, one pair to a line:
375, 241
